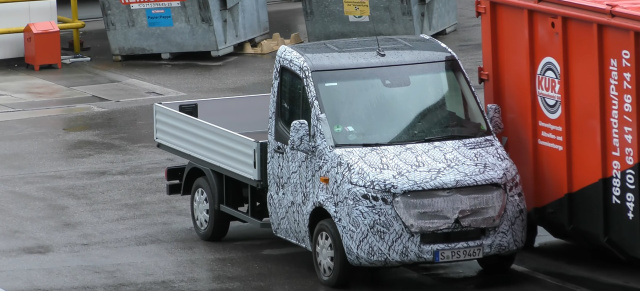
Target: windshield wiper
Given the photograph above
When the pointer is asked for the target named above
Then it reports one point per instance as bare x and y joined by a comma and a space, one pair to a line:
377, 144
364, 145
427, 139
448, 137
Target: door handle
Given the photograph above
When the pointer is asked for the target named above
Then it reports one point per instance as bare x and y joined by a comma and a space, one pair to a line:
279, 149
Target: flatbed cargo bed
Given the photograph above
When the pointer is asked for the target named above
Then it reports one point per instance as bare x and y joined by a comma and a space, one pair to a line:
226, 134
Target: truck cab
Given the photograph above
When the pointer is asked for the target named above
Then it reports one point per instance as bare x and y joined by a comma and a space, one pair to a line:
379, 154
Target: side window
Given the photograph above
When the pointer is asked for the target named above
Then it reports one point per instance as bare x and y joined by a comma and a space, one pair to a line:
292, 104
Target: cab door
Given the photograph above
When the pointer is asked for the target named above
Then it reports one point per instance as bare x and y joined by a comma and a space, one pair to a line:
289, 169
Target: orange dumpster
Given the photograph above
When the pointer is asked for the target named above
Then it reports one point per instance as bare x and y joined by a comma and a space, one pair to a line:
566, 75
42, 44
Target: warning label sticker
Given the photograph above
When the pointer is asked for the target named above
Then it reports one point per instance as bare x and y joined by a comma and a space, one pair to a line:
159, 18
356, 7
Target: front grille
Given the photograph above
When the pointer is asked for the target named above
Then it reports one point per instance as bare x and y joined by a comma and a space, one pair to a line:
472, 207
452, 236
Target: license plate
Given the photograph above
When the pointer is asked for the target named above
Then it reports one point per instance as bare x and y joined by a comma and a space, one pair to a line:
458, 254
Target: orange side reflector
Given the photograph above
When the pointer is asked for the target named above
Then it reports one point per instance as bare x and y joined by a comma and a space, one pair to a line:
324, 180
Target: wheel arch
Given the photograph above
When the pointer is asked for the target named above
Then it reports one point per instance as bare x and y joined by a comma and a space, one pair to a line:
193, 172
318, 214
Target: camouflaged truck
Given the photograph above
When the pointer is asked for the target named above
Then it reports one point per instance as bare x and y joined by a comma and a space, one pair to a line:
367, 152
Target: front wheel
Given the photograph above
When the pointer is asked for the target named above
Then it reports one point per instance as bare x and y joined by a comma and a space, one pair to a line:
210, 223
497, 263
532, 232
329, 258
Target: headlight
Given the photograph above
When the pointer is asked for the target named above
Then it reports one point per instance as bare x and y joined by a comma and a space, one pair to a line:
375, 196
424, 211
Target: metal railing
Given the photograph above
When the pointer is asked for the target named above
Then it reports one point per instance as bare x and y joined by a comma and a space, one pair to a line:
67, 23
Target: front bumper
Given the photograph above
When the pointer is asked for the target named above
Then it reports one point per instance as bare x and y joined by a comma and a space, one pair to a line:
373, 233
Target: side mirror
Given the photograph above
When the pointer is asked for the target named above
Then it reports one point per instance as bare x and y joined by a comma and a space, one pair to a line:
494, 113
299, 136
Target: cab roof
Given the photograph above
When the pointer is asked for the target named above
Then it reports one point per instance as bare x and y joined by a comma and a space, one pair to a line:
361, 52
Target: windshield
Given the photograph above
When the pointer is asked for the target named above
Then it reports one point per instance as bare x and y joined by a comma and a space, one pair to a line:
399, 104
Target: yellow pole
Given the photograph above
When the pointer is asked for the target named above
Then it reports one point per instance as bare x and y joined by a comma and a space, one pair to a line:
64, 19
11, 30
73, 26
76, 32
66, 25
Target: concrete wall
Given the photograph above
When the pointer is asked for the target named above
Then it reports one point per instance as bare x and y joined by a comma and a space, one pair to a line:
18, 14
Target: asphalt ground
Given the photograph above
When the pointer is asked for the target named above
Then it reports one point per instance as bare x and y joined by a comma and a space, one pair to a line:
82, 202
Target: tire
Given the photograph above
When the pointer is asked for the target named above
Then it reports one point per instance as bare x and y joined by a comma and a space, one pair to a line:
209, 222
532, 232
329, 259
497, 263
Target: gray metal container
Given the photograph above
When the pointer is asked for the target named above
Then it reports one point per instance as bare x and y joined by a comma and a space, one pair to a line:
326, 19
185, 26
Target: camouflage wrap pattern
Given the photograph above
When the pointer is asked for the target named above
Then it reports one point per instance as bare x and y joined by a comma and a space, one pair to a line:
364, 181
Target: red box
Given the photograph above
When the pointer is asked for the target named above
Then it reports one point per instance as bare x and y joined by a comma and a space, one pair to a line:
566, 74
42, 44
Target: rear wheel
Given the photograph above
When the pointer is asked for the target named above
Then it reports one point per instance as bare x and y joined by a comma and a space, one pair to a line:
329, 258
497, 263
210, 223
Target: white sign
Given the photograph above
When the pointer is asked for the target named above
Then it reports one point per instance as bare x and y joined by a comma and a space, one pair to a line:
155, 5
548, 87
358, 18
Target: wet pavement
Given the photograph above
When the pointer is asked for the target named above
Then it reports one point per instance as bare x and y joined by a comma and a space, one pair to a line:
82, 197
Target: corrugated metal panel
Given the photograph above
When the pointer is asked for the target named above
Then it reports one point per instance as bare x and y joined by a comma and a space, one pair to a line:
604, 4
612, 8
195, 25
327, 19
566, 75
206, 141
